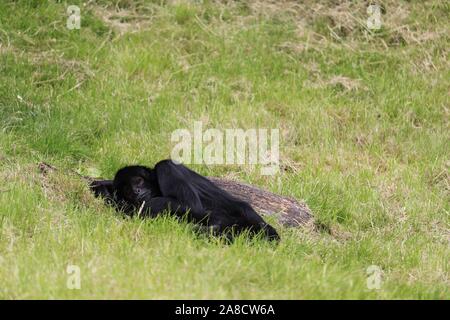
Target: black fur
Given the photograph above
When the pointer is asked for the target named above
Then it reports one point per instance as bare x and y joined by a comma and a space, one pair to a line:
174, 188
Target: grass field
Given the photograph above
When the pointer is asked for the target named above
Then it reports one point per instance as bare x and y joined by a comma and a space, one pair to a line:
364, 140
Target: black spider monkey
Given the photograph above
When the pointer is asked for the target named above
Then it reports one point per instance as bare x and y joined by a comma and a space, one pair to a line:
174, 188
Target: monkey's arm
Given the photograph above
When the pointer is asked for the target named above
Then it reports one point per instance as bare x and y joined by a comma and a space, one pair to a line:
103, 188
178, 196
153, 207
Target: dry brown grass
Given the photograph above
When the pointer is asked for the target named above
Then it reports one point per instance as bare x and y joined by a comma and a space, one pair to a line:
124, 19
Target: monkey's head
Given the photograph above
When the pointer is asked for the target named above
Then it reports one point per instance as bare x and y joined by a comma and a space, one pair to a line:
133, 184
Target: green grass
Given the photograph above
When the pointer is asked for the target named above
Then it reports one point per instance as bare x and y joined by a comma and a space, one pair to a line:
364, 127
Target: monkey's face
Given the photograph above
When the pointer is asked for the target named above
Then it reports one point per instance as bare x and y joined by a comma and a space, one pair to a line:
136, 189
133, 184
